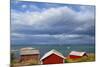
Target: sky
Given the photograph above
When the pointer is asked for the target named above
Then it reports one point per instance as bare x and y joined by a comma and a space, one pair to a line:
52, 23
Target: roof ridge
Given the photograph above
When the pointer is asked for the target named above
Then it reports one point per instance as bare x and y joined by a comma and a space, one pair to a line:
51, 52
77, 53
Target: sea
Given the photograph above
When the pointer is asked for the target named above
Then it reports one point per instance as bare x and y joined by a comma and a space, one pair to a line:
65, 49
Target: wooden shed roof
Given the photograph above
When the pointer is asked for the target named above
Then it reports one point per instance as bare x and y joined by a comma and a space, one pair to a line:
29, 50
76, 53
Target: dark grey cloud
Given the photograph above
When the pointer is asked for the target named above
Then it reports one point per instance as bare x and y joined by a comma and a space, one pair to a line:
54, 25
52, 39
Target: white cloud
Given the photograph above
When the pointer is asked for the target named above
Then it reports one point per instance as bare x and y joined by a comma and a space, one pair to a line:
39, 17
49, 16
60, 16
60, 20
24, 6
55, 16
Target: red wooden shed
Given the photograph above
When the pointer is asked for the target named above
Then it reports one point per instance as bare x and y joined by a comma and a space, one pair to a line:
52, 57
77, 55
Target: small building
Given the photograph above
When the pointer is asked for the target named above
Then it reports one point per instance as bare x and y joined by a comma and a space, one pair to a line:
52, 57
29, 55
77, 55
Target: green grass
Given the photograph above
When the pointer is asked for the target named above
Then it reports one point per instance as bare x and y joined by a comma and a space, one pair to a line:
90, 58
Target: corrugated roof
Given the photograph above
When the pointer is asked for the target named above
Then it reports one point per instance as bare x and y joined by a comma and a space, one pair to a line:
53, 51
29, 50
76, 53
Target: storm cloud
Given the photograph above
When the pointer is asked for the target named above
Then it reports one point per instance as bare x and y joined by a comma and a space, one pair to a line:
53, 25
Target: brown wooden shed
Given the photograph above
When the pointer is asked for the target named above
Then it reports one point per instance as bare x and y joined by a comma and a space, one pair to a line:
29, 55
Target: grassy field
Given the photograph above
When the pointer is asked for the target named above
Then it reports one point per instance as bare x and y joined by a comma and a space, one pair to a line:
17, 63
90, 58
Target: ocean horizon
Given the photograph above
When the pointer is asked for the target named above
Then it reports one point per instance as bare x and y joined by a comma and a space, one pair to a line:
65, 49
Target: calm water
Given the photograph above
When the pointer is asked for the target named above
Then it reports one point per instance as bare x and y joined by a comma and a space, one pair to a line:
64, 49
